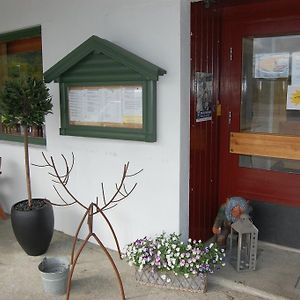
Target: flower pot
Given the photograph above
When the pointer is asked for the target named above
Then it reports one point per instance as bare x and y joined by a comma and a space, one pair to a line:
194, 283
33, 228
54, 272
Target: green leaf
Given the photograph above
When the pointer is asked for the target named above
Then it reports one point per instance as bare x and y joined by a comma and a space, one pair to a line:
25, 101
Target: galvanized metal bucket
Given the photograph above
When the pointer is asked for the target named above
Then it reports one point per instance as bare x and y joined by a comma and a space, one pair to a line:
54, 272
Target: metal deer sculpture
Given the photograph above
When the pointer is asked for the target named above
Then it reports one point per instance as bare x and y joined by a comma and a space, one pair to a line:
90, 211
2, 213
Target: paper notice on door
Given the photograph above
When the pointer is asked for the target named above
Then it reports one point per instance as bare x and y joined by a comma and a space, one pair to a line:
293, 97
296, 68
204, 96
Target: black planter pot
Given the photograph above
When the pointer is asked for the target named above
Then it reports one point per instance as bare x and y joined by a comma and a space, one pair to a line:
33, 228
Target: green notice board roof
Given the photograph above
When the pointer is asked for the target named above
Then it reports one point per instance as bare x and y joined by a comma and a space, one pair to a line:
96, 45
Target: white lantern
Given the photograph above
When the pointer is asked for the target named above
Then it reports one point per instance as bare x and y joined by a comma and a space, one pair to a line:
243, 249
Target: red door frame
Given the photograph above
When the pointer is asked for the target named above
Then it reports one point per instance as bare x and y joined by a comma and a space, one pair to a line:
203, 197
210, 180
272, 17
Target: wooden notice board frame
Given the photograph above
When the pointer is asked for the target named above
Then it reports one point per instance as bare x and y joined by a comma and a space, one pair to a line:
97, 81
142, 130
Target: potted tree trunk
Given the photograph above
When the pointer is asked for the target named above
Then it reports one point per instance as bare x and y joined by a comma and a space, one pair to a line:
25, 102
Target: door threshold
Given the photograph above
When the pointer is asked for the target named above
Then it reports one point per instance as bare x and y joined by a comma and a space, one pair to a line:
281, 247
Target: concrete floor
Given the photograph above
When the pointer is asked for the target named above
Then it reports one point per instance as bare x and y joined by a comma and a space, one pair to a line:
275, 278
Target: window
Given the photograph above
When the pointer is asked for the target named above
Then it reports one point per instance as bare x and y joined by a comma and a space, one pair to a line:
270, 78
21, 55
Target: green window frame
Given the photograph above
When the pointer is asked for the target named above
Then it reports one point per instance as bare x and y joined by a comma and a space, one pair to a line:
7, 40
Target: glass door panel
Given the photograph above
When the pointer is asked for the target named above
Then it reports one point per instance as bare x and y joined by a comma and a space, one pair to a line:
270, 94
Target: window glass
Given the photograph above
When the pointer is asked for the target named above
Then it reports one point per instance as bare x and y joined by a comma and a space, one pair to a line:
269, 102
20, 56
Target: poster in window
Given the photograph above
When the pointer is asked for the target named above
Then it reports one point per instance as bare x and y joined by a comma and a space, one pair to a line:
293, 97
204, 96
296, 68
271, 65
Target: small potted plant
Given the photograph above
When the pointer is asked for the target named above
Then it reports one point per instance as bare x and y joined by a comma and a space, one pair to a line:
169, 262
25, 102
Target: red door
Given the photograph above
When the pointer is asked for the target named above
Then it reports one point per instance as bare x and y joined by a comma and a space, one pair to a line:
260, 122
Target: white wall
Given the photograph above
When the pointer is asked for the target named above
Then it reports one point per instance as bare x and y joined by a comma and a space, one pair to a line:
158, 31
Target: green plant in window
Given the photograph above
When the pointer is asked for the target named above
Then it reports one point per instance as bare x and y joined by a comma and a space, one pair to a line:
25, 101
24, 64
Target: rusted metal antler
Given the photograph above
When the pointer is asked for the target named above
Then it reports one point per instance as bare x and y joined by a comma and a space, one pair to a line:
61, 179
121, 191
120, 194
2, 214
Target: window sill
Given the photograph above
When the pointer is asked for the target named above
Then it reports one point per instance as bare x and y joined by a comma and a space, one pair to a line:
19, 139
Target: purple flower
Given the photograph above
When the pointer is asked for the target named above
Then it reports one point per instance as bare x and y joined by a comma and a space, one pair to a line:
167, 252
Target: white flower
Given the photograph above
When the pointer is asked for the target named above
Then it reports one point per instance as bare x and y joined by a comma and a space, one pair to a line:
167, 252
163, 277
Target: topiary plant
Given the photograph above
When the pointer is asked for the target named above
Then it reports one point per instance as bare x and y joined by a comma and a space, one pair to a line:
25, 101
